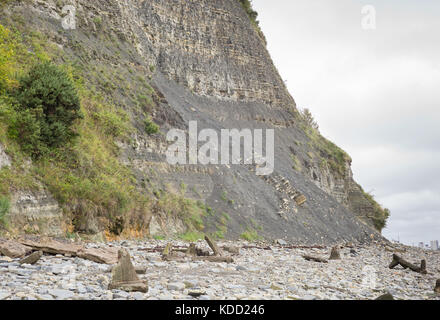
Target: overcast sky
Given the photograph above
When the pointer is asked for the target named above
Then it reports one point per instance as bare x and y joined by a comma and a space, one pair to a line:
375, 93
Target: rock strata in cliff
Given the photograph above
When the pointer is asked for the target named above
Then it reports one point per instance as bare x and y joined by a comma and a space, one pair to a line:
204, 61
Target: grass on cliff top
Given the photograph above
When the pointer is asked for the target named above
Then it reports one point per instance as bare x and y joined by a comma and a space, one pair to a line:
252, 14
380, 214
330, 155
328, 152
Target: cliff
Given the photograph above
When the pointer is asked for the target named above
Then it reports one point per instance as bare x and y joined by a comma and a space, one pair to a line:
139, 64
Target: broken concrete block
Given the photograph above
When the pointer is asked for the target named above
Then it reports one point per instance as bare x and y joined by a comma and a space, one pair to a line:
124, 275
334, 254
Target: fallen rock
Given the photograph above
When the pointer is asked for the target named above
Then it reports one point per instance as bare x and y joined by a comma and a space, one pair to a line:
124, 275
60, 294
99, 255
281, 242
386, 296
32, 258
176, 286
140, 270
4, 295
232, 249
5, 259
52, 246
196, 294
14, 249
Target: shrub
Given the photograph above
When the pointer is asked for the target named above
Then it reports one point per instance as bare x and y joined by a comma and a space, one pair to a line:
150, 126
247, 6
250, 235
308, 118
49, 103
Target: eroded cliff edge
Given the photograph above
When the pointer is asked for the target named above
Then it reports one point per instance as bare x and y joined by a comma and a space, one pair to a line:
203, 60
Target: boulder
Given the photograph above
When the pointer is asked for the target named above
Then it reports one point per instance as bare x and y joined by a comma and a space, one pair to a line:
14, 249
232, 249
32, 258
386, 296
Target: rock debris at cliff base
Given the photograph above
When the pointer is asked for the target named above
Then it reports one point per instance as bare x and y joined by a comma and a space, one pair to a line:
258, 272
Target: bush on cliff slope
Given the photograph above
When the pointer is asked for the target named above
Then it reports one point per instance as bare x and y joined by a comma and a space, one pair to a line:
48, 107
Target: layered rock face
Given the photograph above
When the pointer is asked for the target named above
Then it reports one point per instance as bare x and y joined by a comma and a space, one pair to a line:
211, 66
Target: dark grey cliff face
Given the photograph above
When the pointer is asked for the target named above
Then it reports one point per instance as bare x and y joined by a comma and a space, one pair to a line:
210, 66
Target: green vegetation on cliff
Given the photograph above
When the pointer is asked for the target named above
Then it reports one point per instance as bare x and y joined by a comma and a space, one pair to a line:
253, 15
40, 107
337, 161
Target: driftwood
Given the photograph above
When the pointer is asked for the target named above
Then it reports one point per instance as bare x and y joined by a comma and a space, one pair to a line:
257, 247
193, 253
124, 276
99, 255
213, 246
334, 254
407, 265
316, 259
